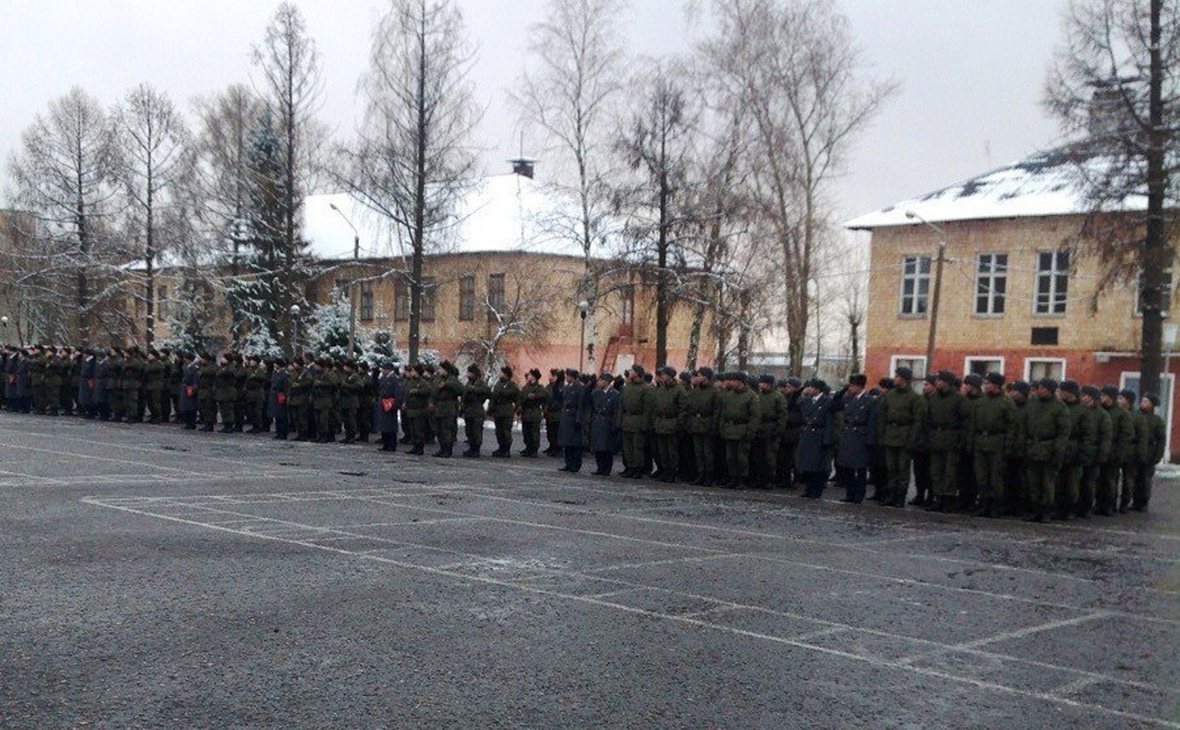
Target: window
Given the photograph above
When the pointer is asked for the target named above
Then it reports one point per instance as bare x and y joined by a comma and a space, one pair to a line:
401, 300
429, 290
916, 363
162, 302
366, 313
495, 295
1036, 368
984, 365
915, 285
991, 282
627, 311
1052, 282
1130, 381
1043, 336
467, 298
1165, 294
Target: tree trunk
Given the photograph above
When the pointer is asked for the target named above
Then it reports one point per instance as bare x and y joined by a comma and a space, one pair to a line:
854, 327
694, 336
744, 331
149, 257
1155, 252
417, 235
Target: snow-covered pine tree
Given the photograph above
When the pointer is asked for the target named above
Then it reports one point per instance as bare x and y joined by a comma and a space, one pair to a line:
328, 331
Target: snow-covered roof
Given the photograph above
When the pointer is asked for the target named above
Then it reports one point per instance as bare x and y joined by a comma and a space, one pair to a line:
497, 213
1047, 183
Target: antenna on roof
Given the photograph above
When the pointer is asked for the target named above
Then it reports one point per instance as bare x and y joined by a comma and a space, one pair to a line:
523, 166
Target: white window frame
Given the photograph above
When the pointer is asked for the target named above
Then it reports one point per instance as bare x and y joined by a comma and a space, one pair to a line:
992, 275
1168, 292
917, 381
986, 358
1028, 361
1052, 274
918, 278
1171, 379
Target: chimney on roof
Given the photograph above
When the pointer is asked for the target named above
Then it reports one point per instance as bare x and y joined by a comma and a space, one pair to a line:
524, 166
1108, 105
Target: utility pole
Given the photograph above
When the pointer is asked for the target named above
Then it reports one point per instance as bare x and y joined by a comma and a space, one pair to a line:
356, 256
937, 294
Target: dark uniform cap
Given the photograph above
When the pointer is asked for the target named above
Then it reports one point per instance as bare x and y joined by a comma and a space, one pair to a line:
536, 373
766, 378
931, 378
904, 372
705, 372
885, 383
946, 376
1155, 399
795, 382
858, 379
973, 379
740, 377
507, 370
474, 370
1110, 391
1091, 391
638, 370
685, 375
1128, 394
1021, 387
995, 378
1048, 384
1070, 386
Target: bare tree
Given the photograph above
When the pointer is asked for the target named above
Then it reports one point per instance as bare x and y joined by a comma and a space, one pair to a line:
410, 162
793, 65
1115, 85
289, 85
579, 60
153, 158
62, 176
221, 181
525, 314
657, 145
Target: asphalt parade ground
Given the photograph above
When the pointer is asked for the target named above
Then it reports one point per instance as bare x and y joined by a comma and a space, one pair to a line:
157, 578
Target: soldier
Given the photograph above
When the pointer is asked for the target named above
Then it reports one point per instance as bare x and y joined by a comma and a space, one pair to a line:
569, 433
1122, 437
636, 410
772, 426
324, 385
899, 428
446, 408
553, 411
857, 437
1127, 402
1047, 431
1015, 471
701, 419
992, 422
812, 455
604, 429
52, 383
475, 395
1097, 453
188, 397
792, 390
431, 376
737, 424
948, 416
1149, 450
226, 392
368, 402
37, 378
257, 384
650, 449
348, 399
207, 391
114, 385
972, 391
173, 374
923, 483
388, 399
1083, 437
670, 408
279, 398
688, 466
533, 398
153, 384
86, 385
133, 369
505, 395
417, 401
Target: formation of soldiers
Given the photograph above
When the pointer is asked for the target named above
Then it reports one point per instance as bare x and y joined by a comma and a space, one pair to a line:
975, 444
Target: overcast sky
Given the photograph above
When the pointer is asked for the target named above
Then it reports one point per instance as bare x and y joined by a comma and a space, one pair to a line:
971, 70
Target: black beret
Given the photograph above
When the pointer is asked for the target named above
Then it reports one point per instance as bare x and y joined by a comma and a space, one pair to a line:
1091, 391
1110, 391
904, 372
858, 379
995, 378
973, 379
1070, 386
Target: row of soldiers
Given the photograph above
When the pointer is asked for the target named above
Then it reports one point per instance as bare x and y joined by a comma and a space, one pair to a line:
975, 444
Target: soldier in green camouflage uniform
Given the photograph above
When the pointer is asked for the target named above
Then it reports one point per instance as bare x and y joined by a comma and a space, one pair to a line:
475, 395
670, 406
1149, 451
446, 409
991, 430
772, 426
701, 417
1047, 431
1095, 454
505, 395
417, 401
636, 410
947, 419
533, 399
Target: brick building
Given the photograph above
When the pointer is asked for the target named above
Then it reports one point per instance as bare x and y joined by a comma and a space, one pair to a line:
1015, 298
500, 254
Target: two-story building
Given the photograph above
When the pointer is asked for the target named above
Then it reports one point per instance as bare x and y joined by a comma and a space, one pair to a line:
1016, 297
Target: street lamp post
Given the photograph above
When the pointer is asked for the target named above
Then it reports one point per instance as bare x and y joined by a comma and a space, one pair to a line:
583, 308
356, 255
930, 337
295, 329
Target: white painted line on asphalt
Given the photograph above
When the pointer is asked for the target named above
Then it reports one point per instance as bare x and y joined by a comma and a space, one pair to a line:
406, 523
820, 633
1075, 686
590, 600
1007, 635
667, 561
